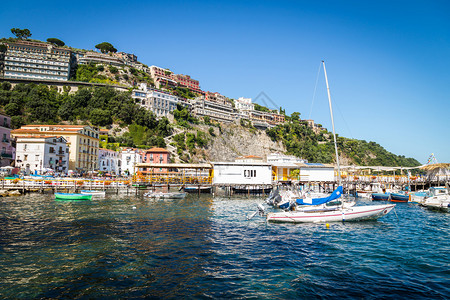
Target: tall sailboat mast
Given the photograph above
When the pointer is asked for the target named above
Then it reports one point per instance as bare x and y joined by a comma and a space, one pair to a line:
332, 124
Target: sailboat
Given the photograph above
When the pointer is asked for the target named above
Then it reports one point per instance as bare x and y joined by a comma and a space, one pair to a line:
342, 213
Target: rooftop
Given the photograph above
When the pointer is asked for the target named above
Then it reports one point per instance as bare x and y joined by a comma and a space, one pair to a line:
157, 150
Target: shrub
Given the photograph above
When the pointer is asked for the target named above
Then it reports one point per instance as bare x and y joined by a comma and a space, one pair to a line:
113, 69
211, 131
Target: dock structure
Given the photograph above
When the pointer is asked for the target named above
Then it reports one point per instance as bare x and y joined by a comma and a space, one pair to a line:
201, 183
152, 175
64, 185
231, 177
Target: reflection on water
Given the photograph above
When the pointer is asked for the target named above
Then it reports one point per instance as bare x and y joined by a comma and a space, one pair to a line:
128, 246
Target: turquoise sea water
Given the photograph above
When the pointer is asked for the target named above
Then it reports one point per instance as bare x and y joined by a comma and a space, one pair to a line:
131, 247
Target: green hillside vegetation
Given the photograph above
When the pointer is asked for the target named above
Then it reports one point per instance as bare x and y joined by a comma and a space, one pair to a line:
99, 106
99, 73
301, 141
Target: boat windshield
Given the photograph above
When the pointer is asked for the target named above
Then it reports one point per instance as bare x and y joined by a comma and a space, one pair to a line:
334, 203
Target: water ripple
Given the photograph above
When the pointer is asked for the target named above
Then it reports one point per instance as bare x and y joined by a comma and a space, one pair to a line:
130, 247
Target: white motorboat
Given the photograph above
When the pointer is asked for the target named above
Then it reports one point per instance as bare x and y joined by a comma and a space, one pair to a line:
367, 192
439, 198
418, 197
161, 195
93, 193
354, 213
340, 213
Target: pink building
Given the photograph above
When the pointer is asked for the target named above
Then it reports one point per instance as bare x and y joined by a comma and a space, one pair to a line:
156, 156
7, 152
187, 81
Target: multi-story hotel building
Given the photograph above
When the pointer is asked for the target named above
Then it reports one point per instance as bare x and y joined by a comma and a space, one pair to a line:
83, 143
36, 61
265, 119
109, 161
162, 77
165, 77
216, 97
159, 102
187, 81
222, 112
244, 104
84, 58
8, 151
130, 157
40, 153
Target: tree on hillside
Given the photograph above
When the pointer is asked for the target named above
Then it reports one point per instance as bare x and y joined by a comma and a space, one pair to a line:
106, 47
261, 108
21, 33
100, 117
3, 48
56, 41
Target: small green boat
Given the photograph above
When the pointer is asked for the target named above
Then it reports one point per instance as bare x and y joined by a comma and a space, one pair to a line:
72, 196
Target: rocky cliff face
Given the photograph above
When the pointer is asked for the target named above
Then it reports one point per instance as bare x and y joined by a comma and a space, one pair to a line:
235, 141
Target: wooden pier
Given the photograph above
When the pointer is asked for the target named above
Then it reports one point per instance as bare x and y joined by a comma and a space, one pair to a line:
204, 182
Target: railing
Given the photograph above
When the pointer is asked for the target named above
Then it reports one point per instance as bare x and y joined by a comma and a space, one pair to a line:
399, 179
172, 179
63, 183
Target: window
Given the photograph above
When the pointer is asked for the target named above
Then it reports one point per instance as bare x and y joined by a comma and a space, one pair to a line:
25, 157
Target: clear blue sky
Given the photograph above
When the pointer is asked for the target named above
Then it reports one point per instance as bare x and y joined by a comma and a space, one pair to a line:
388, 62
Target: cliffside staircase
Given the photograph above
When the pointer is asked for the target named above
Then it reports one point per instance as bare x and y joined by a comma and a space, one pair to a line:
170, 148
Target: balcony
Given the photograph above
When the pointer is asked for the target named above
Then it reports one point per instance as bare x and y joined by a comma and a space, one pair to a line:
62, 153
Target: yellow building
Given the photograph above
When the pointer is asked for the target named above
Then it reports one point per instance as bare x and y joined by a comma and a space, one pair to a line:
83, 142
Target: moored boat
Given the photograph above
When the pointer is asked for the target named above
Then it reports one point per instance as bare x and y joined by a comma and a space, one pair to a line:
72, 196
162, 195
399, 197
418, 197
93, 193
438, 198
197, 189
354, 213
342, 213
381, 196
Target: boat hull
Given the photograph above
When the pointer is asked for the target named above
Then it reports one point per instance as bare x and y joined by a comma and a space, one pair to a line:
441, 202
380, 196
93, 193
166, 195
252, 190
194, 189
355, 213
399, 197
71, 197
